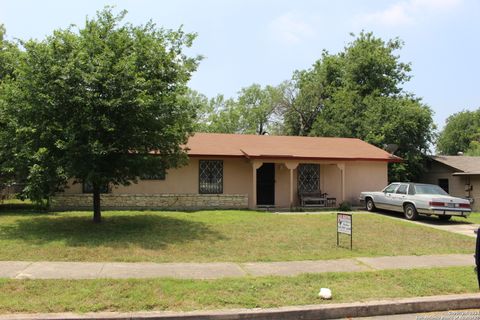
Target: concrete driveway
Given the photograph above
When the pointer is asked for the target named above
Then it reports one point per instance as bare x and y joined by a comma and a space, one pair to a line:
461, 227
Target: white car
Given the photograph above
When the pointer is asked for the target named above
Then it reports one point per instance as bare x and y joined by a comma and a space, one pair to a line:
416, 198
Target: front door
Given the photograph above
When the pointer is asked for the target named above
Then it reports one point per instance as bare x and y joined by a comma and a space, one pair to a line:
266, 184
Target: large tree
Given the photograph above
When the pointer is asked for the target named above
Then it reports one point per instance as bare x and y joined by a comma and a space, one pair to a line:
253, 111
9, 56
460, 131
103, 104
358, 93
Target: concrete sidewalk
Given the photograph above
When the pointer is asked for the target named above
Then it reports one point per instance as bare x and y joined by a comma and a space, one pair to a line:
116, 270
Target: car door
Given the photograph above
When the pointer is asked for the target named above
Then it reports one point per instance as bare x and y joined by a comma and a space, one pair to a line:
384, 199
399, 197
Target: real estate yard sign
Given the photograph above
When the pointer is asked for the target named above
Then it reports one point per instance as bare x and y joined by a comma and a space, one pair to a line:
344, 225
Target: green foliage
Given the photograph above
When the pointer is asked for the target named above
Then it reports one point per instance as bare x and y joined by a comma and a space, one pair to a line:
95, 103
254, 111
224, 116
460, 130
257, 106
345, 206
8, 55
357, 93
473, 149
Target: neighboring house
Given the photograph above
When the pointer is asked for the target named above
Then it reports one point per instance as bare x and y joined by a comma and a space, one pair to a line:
250, 171
457, 175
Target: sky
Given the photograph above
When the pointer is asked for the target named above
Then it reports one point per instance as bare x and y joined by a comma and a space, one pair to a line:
265, 41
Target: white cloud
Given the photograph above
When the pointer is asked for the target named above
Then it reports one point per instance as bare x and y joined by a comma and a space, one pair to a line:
290, 29
435, 4
392, 16
408, 12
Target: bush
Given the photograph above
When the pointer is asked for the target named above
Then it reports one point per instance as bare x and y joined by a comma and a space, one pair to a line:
345, 206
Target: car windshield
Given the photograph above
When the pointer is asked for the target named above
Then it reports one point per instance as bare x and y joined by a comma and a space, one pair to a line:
429, 189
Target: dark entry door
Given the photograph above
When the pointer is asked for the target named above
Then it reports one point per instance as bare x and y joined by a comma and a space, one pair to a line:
266, 184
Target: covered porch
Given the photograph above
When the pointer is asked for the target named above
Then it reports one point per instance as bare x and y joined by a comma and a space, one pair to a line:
297, 183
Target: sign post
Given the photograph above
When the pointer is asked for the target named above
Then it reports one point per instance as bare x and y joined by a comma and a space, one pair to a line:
344, 225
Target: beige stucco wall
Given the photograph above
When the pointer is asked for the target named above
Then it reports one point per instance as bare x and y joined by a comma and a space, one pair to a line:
364, 176
238, 180
282, 186
456, 184
331, 181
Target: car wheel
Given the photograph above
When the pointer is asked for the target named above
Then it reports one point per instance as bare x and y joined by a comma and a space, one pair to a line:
370, 205
410, 212
445, 217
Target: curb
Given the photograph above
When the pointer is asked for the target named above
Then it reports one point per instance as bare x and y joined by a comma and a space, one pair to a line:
309, 312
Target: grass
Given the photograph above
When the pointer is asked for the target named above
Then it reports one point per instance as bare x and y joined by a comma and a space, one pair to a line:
13, 203
16, 204
169, 294
474, 217
16, 201
207, 236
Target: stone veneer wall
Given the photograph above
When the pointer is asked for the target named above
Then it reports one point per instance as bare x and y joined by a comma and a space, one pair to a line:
151, 201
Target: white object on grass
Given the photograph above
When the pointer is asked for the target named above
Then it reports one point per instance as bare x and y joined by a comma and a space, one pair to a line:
22, 276
325, 293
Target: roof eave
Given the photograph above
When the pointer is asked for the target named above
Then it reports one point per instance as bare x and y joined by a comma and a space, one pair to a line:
290, 157
466, 174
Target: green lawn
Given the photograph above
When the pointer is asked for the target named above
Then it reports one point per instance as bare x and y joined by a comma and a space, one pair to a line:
16, 201
203, 236
17, 204
169, 294
472, 218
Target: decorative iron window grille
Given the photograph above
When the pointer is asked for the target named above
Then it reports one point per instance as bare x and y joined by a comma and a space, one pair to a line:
157, 176
308, 178
211, 176
88, 188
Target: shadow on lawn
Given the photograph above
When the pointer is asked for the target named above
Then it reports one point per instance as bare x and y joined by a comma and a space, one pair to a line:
146, 231
434, 220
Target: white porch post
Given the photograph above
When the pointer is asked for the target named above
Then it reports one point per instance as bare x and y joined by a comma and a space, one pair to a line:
291, 166
341, 166
255, 166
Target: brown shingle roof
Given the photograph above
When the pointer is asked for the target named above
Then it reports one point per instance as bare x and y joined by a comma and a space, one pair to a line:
465, 164
285, 147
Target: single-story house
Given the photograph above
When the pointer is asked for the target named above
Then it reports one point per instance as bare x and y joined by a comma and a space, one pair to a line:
457, 175
251, 171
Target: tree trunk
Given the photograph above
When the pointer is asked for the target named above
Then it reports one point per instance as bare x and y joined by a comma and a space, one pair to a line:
97, 215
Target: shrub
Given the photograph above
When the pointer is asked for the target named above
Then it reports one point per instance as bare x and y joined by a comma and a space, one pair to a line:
345, 206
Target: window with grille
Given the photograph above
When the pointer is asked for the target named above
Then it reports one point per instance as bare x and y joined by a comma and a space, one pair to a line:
211, 176
308, 178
